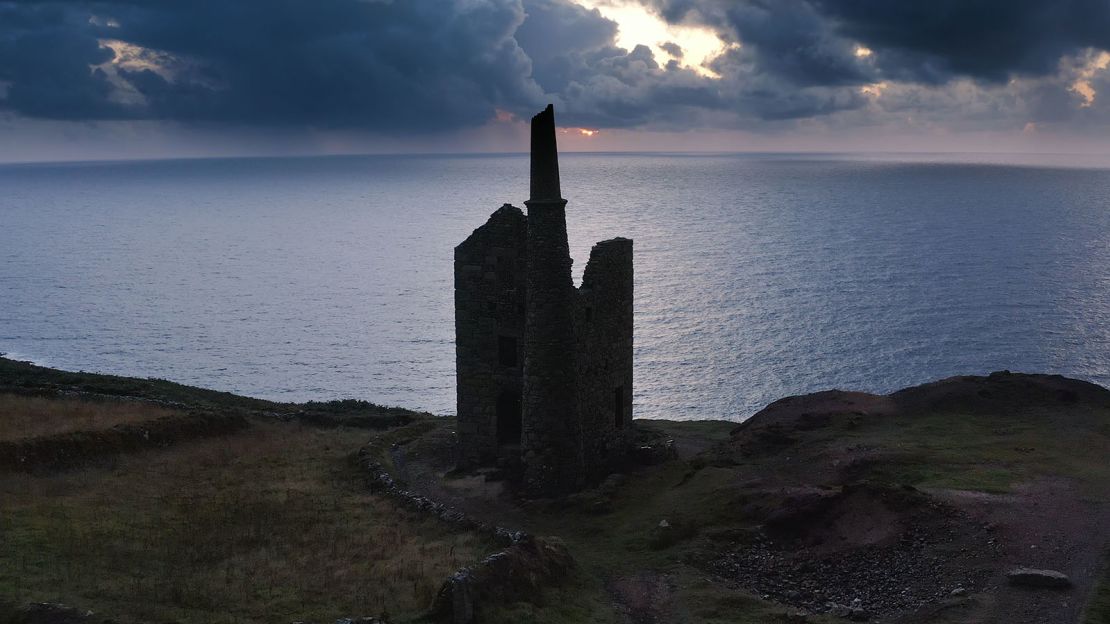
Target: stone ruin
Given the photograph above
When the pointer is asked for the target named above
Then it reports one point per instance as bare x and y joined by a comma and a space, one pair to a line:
544, 369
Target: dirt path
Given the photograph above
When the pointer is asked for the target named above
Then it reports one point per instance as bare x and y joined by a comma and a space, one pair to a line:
1044, 524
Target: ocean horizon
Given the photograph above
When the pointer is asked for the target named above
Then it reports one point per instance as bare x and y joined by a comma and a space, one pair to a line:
758, 275
1067, 160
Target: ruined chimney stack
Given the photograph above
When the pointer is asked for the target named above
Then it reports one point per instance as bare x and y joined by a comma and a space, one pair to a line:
545, 158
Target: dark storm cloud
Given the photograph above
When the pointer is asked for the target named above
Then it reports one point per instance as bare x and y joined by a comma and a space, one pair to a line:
985, 39
615, 88
380, 65
811, 41
555, 34
404, 66
672, 48
790, 40
45, 54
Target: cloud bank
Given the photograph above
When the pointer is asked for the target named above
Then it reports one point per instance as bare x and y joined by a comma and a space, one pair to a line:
424, 66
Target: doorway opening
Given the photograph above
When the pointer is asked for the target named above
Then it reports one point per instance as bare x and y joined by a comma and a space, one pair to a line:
508, 418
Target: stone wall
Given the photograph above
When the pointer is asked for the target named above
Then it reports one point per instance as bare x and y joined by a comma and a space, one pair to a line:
603, 324
552, 442
490, 294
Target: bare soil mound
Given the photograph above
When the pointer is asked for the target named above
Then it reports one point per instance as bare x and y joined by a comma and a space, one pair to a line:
1000, 392
905, 503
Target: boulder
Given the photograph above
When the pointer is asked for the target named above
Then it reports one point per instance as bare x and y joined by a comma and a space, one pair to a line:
520, 573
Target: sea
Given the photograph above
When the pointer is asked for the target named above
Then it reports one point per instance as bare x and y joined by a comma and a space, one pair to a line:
757, 276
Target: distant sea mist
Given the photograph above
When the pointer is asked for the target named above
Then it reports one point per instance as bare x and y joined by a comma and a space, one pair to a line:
757, 276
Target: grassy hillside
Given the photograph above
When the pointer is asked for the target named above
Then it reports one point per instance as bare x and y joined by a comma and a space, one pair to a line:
32, 416
273, 522
22, 378
268, 525
906, 508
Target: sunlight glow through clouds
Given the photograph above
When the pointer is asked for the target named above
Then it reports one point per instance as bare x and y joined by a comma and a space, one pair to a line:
639, 26
128, 57
137, 58
874, 89
502, 116
1082, 84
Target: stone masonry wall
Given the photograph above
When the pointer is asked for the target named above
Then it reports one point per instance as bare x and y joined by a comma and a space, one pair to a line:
490, 294
552, 442
603, 323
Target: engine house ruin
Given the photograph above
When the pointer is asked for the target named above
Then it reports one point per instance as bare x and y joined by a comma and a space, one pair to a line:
544, 369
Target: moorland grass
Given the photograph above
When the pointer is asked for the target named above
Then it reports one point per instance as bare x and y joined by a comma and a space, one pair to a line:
23, 376
30, 416
274, 524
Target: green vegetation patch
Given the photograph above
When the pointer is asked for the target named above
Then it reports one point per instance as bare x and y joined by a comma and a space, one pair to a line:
993, 452
23, 377
636, 553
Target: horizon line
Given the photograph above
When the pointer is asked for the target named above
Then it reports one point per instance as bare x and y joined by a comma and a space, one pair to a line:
477, 154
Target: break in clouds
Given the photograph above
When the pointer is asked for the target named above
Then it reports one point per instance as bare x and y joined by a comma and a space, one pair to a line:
402, 66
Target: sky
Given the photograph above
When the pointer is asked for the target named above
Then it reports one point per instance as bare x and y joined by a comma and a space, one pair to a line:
173, 78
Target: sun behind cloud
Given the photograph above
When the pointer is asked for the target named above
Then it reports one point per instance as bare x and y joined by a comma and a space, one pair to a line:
639, 26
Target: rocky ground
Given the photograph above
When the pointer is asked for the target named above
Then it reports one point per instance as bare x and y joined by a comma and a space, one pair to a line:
865, 553
936, 493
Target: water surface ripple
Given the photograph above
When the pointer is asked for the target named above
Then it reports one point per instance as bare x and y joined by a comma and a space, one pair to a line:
757, 277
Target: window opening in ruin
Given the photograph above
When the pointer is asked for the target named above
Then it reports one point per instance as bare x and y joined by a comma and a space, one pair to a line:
508, 418
506, 350
618, 406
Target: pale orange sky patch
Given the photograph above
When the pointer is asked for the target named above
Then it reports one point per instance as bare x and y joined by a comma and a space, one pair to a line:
1082, 85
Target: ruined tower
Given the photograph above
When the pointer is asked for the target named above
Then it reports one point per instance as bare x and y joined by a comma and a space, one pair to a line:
551, 443
544, 369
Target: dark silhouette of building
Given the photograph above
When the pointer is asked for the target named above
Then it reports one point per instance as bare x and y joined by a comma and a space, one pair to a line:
544, 369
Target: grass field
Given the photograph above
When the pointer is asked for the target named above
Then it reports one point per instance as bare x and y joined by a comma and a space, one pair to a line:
29, 417
272, 524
